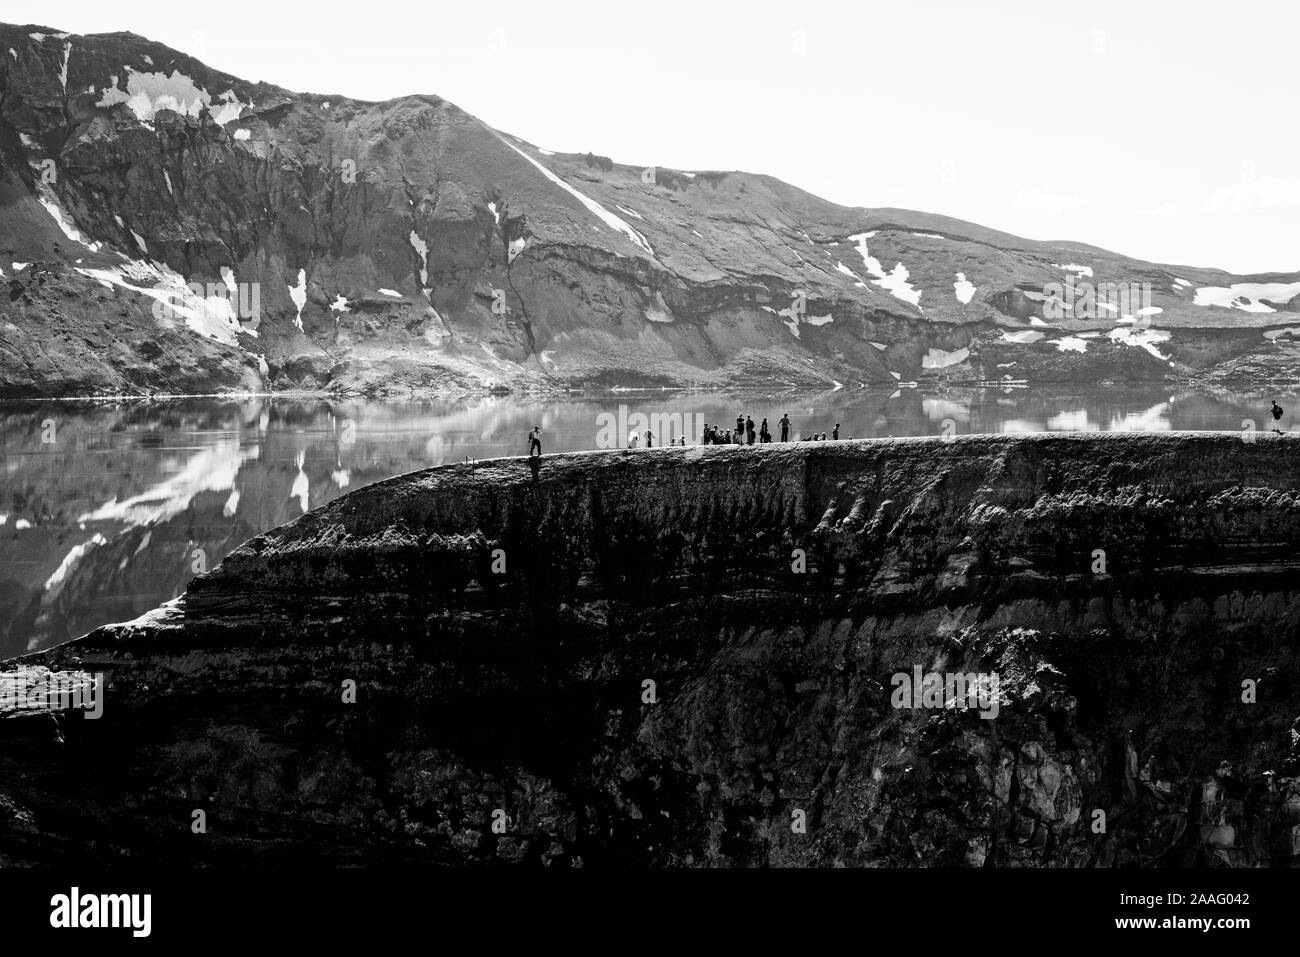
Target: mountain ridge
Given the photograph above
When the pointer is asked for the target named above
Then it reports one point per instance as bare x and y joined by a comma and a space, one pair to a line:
407, 246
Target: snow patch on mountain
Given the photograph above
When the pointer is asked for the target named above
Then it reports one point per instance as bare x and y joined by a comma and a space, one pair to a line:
147, 93
1027, 337
658, 311
597, 210
1085, 272
1071, 344
941, 358
963, 289
298, 294
50, 201
63, 71
422, 250
895, 282
1247, 296
1142, 338
212, 317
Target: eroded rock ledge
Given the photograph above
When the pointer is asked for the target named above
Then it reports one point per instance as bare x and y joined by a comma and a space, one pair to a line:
1122, 587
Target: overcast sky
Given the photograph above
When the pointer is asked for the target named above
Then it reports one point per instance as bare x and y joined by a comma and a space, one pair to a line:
1165, 130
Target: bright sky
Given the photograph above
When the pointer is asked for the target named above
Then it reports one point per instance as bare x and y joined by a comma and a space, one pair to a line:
1165, 130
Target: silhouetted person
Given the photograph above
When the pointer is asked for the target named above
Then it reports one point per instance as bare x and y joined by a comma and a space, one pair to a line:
836, 433
740, 425
785, 427
763, 434
1277, 417
823, 436
749, 431
535, 441
649, 438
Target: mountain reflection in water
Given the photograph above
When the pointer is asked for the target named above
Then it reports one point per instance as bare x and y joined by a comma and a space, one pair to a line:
109, 509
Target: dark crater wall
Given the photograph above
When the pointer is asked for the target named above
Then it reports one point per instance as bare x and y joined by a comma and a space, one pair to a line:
523, 688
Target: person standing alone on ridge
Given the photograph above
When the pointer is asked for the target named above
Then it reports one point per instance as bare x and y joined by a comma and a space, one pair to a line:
1277, 417
836, 434
535, 441
785, 427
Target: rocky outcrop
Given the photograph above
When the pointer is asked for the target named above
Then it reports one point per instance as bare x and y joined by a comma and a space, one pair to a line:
165, 227
687, 656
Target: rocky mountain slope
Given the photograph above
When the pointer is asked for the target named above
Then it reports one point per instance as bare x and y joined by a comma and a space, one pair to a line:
328, 243
687, 656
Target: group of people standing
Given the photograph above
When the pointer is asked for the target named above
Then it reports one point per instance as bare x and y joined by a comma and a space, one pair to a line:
745, 433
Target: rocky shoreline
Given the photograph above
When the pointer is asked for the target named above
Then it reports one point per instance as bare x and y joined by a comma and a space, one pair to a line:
684, 656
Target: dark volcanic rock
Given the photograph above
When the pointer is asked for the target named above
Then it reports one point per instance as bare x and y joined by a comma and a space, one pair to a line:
500, 625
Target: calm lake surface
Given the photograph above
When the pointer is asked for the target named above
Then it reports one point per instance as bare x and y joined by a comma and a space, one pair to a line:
109, 509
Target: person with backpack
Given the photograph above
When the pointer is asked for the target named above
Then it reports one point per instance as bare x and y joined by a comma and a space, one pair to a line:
749, 430
763, 434
535, 441
1277, 417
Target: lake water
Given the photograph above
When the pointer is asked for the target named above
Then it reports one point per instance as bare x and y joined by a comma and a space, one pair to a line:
108, 509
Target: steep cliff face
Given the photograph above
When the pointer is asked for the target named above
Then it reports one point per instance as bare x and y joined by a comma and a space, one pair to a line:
682, 656
405, 245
